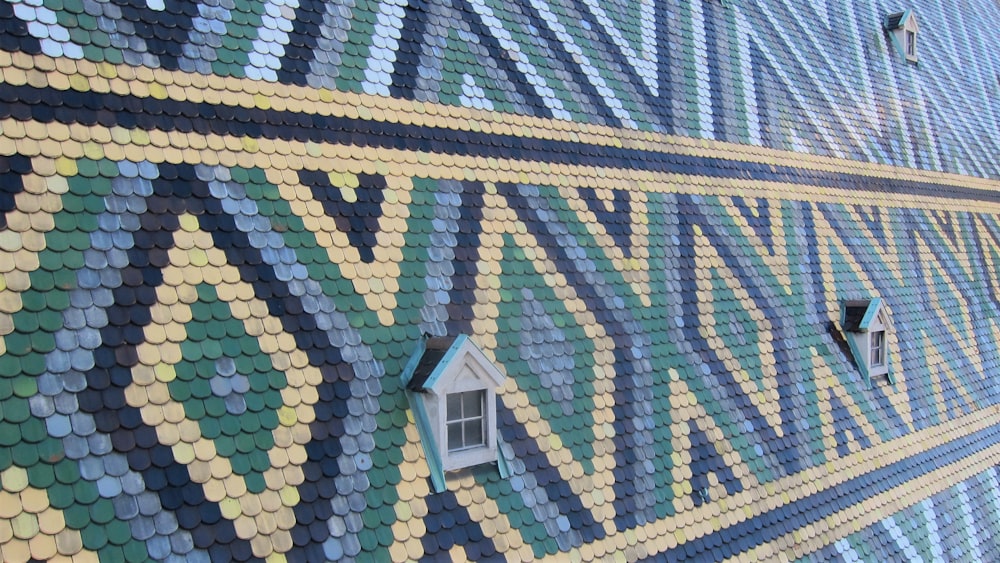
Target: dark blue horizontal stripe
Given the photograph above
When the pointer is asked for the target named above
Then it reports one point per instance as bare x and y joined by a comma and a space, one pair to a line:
795, 515
48, 105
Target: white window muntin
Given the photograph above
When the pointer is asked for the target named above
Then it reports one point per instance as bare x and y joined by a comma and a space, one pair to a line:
465, 420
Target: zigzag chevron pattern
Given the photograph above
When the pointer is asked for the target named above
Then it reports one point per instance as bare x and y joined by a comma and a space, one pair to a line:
253, 360
815, 77
225, 225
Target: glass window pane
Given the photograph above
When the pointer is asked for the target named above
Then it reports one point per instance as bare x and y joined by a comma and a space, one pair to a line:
473, 404
465, 417
474, 433
455, 436
878, 348
455, 406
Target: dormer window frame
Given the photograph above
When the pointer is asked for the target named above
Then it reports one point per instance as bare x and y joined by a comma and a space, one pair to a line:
866, 327
441, 371
465, 420
877, 348
904, 33
437, 398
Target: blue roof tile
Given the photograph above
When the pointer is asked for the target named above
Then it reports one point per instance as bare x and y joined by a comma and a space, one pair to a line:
224, 228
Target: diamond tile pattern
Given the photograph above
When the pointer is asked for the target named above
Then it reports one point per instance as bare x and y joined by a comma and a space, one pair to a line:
224, 226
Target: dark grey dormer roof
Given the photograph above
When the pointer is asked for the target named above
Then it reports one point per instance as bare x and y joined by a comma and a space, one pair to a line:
854, 312
895, 21
434, 351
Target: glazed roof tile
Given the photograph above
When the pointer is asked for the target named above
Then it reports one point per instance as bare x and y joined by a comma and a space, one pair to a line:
224, 227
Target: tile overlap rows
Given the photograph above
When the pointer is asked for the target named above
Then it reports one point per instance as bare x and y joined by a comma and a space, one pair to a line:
732, 73
226, 224
185, 354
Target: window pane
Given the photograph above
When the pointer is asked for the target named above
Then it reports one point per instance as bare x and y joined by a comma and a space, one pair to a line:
455, 437
473, 404
465, 417
455, 406
474, 433
878, 348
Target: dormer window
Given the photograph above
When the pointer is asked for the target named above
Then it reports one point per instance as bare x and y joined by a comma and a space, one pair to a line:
451, 386
878, 348
865, 324
465, 423
903, 30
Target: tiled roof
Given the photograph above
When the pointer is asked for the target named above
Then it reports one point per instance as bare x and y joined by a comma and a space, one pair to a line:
859, 313
894, 21
434, 351
225, 226
853, 315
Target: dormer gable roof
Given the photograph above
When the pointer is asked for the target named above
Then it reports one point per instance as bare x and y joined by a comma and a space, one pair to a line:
441, 368
428, 368
858, 315
860, 319
900, 19
903, 29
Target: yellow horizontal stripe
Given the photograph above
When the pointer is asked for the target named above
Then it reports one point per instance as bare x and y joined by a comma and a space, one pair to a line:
667, 533
280, 156
142, 82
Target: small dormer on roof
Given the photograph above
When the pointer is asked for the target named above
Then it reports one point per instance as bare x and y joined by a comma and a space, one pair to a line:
865, 324
903, 30
451, 386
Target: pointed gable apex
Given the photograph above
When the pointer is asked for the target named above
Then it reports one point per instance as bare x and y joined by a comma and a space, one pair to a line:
439, 362
864, 323
860, 315
903, 30
451, 386
900, 19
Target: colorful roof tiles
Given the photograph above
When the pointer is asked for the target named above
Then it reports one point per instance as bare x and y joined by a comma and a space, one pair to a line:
225, 226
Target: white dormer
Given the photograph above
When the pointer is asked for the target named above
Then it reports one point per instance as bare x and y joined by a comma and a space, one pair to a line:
866, 324
903, 30
451, 385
